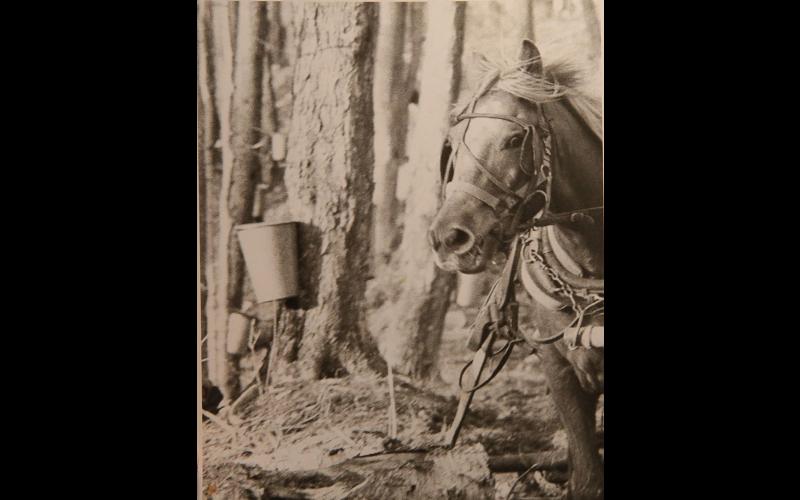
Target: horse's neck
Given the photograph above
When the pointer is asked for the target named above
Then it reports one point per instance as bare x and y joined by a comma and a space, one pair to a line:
577, 183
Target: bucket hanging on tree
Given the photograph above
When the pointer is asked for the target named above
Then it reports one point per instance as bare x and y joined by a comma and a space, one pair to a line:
270, 254
471, 289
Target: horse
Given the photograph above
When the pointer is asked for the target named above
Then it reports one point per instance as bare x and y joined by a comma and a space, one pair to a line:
531, 132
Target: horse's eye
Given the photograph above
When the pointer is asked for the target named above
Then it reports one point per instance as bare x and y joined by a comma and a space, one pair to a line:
514, 142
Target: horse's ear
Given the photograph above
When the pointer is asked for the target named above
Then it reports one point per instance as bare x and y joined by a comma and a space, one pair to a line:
529, 54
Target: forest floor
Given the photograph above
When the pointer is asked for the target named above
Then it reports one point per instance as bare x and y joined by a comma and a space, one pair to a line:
305, 426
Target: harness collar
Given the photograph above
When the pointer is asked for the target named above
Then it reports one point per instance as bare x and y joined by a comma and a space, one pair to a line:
561, 254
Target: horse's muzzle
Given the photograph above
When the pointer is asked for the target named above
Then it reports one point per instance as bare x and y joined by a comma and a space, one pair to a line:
460, 250
457, 240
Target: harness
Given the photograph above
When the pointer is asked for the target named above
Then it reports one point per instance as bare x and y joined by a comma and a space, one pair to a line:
529, 207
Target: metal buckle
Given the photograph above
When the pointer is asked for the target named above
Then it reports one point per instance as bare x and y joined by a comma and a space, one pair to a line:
572, 340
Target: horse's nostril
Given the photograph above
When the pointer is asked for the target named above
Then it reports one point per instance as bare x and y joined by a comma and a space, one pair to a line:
457, 239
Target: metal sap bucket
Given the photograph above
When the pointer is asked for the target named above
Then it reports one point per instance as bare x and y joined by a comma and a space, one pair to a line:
238, 333
471, 289
270, 253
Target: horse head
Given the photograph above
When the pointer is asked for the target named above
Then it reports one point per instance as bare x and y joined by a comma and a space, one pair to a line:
498, 152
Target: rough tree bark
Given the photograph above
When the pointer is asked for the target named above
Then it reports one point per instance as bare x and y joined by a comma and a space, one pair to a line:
391, 98
414, 346
217, 270
206, 179
329, 183
593, 27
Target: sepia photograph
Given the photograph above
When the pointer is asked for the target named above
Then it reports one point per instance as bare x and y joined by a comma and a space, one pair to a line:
400, 215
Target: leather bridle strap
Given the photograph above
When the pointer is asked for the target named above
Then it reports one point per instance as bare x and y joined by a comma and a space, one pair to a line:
530, 142
509, 118
475, 191
530, 135
492, 178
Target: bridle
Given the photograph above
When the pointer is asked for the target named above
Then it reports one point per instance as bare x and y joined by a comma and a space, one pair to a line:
534, 162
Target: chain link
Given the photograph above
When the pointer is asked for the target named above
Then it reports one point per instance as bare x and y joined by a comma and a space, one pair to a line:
532, 255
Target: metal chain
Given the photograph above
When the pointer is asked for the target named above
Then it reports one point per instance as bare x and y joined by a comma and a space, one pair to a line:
532, 255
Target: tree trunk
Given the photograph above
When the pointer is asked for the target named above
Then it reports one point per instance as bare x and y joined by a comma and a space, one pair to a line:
391, 122
245, 125
237, 90
522, 11
217, 266
291, 46
269, 120
205, 140
593, 27
329, 183
201, 216
414, 345
415, 29
277, 34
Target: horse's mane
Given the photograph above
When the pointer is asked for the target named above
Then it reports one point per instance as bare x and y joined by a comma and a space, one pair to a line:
561, 79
